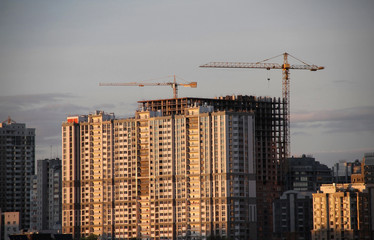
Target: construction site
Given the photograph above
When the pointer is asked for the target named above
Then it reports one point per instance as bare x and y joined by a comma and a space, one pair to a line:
269, 145
272, 126
182, 168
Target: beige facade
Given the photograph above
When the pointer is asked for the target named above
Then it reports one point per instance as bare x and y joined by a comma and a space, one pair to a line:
160, 177
270, 143
342, 211
11, 224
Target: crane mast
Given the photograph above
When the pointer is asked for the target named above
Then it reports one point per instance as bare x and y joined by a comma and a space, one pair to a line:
174, 85
285, 82
286, 97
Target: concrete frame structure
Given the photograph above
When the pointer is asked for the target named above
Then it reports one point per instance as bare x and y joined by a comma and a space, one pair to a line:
270, 143
181, 176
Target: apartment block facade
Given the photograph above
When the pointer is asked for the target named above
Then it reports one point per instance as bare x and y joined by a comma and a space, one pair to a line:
343, 170
293, 215
368, 170
365, 174
17, 163
186, 175
46, 205
9, 224
343, 211
269, 144
304, 173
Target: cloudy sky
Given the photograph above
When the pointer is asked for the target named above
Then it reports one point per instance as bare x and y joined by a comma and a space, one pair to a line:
53, 54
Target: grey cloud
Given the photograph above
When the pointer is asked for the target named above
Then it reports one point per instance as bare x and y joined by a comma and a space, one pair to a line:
44, 112
332, 115
20, 102
332, 156
104, 106
306, 124
343, 120
299, 133
128, 109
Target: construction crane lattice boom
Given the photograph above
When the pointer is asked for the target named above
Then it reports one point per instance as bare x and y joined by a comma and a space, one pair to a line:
259, 65
285, 67
174, 85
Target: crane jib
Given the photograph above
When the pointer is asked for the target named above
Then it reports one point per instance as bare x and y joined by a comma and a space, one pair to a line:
285, 66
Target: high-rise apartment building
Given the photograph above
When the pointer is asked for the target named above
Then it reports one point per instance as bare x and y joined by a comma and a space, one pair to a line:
160, 176
34, 204
17, 162
46, 194
270, 144
71, 176
305, 174
343, 211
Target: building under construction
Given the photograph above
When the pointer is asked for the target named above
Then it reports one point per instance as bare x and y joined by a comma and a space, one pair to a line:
270, 143
182, 168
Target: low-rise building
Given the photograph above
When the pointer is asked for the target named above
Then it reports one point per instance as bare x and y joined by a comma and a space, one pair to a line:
10, 224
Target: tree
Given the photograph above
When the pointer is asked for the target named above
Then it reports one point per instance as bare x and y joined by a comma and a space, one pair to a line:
91, 237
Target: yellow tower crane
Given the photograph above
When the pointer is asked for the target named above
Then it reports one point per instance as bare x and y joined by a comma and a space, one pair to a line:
174, 85
285, 83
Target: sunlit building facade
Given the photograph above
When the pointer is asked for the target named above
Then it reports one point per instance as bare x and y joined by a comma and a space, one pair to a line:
180, 176
9, 224
365, 173
85, 179
269, 144
343, 170
343, 211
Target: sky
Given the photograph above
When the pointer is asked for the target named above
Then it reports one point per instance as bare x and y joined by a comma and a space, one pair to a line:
54, 54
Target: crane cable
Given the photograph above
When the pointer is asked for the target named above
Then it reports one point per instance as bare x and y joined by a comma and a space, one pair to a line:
282, 55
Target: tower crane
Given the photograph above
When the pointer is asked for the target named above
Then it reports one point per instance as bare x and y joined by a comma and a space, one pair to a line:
285, 80
174, 85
